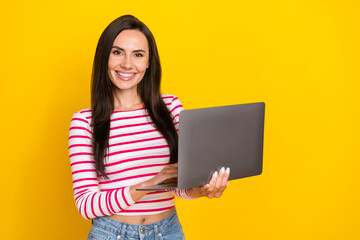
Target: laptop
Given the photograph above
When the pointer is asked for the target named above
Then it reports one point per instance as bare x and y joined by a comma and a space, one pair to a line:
211, 138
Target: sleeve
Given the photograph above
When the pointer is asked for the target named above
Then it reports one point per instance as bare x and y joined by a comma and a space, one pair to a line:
175, 108
90, 201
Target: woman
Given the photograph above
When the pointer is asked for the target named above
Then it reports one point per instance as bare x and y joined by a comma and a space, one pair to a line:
128, 139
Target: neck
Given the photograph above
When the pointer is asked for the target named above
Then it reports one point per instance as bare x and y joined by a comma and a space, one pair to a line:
127, 100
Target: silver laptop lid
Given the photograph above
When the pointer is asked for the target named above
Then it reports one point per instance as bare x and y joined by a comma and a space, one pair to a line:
226, 136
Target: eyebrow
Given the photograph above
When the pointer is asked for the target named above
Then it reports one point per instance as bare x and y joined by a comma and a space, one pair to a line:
137, 50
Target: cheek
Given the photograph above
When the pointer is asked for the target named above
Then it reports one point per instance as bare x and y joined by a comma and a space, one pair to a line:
142, 66
111, 64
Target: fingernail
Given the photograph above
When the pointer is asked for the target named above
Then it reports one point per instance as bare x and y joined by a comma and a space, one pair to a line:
227, 170
227, 184
222, 170
215, 174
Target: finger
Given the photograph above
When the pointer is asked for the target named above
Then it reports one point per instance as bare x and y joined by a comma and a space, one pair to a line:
175, 165
168, 167
221, 182
225, 178
209, 188
203, 190
170, 170
171, 165
170, 174
213, 181
218, 186
224, 183
166, 173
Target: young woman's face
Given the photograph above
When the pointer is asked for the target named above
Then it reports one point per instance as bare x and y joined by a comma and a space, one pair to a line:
128, 60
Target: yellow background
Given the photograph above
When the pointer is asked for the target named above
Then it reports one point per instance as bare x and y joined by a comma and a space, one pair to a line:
301, 58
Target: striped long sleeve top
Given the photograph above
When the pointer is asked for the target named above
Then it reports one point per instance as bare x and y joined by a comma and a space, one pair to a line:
137, 152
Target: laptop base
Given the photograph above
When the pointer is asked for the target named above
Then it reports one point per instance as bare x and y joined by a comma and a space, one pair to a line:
160, 187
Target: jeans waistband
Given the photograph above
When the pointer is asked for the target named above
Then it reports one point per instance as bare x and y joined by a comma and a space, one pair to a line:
116, 227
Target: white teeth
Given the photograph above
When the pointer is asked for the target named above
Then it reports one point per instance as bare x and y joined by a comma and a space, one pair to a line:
126, 74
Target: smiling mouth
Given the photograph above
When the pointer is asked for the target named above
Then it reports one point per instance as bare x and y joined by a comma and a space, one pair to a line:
126, 75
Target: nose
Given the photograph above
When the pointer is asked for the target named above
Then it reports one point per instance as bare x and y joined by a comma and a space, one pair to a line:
126, 62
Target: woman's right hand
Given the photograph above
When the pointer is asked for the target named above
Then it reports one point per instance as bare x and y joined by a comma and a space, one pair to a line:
168, 172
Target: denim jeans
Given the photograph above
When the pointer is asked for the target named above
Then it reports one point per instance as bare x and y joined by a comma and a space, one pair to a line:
105, 228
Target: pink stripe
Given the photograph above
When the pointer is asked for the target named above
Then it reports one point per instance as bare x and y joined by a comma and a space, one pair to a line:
84, 186
136, 150
130, 110
113, 211
100, 205
110, 189
158, 200
117, 201
84, 179
79, 119
84, 111
85, 170
92, 205
81, 195
157, 192
133, 133
127, 178
81, 191
81, 153
168, 104
139, 167
125, 118
81, 162
85, 210
175, 98
106, 201
167, 97
186, 193
79, 136
131, 125
81, 128
123, 195
79, 145
176, 107
175, 116
136, 141
150, 210
77, 200
80, 205
137, 159
175, 193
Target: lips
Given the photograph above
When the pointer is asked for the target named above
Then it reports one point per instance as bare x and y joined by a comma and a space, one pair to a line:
125, 76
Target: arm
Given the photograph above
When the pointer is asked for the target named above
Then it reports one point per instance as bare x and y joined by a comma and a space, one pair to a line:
90, 201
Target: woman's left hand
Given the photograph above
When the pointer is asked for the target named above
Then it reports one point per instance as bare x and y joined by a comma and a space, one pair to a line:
215, 187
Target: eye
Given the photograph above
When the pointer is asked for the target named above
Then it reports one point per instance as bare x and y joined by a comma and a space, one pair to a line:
139, 55
117, 52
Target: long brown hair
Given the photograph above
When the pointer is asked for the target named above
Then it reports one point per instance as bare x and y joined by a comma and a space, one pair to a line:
102, 101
